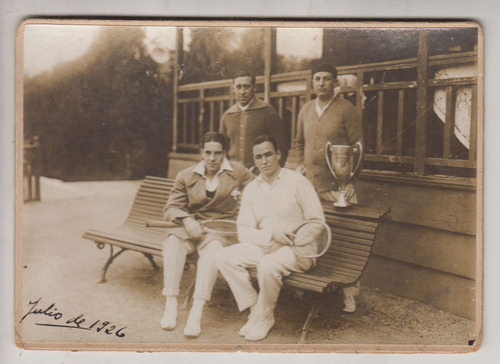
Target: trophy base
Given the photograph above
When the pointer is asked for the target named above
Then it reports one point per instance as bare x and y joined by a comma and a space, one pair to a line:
341, 204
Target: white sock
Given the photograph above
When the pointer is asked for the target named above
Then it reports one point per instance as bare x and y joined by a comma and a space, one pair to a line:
198, 306
171, 303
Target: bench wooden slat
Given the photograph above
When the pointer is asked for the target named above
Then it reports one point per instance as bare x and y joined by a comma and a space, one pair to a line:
351, 239
351, 233
147, 209
355, 211
346, 244
123, 244
146, 215
349, 225
152, 196
340, 260
149, 199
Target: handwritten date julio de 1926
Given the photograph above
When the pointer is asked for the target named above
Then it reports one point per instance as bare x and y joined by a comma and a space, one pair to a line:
77, 322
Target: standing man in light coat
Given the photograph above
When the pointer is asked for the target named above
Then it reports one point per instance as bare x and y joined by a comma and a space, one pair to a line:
331, 118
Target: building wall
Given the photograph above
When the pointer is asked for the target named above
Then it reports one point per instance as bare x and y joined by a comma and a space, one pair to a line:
427, 250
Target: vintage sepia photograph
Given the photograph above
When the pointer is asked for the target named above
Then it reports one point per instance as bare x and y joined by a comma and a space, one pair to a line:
270, 186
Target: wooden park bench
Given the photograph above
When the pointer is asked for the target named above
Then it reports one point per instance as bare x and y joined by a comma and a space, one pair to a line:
353, 235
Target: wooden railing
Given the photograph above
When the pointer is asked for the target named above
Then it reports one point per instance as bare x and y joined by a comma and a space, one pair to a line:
402, 133
31, 170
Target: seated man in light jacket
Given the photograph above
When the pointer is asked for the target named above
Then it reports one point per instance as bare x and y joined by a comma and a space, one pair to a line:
206, 191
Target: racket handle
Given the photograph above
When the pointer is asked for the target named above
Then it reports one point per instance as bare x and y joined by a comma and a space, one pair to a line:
161, 223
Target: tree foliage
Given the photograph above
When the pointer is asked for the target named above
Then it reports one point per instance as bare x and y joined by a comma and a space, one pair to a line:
218, 53
104, 116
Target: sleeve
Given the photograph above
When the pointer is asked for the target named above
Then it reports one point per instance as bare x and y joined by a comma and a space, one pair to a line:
309, 201
246, 177
353, 125
354, 128
222, 125
276, 128
176, 206
299, 138
248, 231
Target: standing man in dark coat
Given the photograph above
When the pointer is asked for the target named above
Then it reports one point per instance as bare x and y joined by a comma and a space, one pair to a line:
249, 118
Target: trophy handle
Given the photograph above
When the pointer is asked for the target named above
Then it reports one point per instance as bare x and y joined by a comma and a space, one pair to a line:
359, 148
327, 157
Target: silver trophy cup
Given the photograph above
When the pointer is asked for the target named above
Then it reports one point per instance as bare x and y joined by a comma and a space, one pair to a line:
340, 161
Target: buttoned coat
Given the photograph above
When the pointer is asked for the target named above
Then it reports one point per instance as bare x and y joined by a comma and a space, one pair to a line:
244, 126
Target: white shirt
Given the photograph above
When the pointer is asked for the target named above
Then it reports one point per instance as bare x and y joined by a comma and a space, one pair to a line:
287, 202
319, 109
211, 185
244, 108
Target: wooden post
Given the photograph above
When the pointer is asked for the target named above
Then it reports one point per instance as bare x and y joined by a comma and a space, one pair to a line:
178, 59
201, 115
269, 60
422, 94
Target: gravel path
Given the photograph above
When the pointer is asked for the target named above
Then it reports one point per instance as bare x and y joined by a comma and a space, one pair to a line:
60, 267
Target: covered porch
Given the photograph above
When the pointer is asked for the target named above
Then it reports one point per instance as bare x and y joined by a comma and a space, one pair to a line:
421, 143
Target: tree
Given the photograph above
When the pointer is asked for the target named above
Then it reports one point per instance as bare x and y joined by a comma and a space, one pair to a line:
104, 116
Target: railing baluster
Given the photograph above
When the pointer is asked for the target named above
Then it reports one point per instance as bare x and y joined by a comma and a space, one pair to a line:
449, 124
380, 120
280, 107
294, 120
473, 125
221, 111
184, 123
201, 115
193, 123
212, 116
400, 126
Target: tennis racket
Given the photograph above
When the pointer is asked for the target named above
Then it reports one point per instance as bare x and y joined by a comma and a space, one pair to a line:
311, 239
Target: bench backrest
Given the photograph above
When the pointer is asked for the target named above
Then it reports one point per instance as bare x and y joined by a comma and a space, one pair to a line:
149, 201
352, 243
352, 236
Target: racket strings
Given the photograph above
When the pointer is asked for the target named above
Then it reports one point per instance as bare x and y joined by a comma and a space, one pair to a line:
313, 238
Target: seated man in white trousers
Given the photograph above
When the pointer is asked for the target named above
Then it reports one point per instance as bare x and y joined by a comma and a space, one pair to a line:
206, 191
272, 205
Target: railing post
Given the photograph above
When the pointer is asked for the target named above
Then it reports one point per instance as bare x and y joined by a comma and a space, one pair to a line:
269, 61
201, 115
177, 60
422, 94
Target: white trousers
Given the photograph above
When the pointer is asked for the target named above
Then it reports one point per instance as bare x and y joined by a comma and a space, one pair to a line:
175, 251
233, 262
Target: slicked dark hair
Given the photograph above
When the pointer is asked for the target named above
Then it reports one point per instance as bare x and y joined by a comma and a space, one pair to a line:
266, 138
213, 136
245, 74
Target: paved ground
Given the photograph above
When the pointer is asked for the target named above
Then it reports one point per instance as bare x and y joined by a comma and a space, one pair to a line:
61, 268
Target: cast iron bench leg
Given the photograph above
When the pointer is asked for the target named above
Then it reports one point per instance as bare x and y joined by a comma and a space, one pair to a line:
316, 306
108, 263
153, 263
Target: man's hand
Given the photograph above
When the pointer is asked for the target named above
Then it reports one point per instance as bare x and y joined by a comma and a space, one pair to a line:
193, 228
281, 237
349, 191
301, 169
